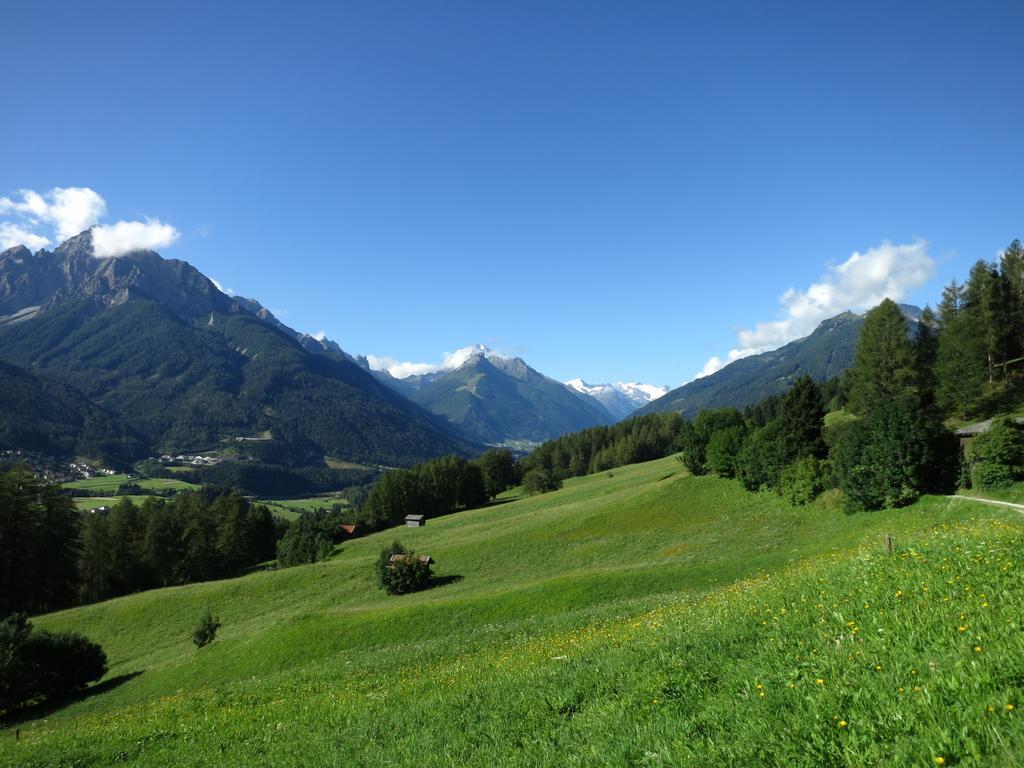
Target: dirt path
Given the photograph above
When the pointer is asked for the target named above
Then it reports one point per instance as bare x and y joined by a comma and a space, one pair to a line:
1010, 504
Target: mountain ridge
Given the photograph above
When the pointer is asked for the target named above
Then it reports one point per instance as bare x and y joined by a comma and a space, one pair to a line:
823, 354
153, 341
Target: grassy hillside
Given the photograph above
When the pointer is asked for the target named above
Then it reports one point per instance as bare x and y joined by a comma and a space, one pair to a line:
638, 617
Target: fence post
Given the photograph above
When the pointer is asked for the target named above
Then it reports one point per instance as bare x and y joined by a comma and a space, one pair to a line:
888, 543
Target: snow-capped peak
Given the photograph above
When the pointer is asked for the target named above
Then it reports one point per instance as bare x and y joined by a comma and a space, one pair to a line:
451, 361
620, 398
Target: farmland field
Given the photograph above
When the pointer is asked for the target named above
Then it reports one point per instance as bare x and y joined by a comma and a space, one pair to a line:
299, 505
111, 483
637, 617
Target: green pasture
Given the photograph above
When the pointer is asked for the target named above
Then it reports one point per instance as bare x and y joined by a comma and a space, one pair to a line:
637, 617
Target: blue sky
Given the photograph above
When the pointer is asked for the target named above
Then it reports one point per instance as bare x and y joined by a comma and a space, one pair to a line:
612, 190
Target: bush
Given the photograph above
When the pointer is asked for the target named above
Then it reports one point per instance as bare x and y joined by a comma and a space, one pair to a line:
206, 631
408, 574
998, 455
41, 665
991, 474
803, 481
541, 481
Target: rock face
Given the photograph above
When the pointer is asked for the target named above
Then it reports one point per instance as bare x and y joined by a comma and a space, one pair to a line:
71, 272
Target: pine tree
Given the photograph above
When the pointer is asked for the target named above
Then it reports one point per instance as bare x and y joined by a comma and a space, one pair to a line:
959, 365
884, 367
56, 559
802, 415
1012, 268
17, 538
95, 564
926, 351
987, 301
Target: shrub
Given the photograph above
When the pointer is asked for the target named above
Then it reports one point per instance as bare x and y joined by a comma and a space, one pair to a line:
541, 481
803, 481
408, 574
41, 665
991, 474
998, 455
206, 631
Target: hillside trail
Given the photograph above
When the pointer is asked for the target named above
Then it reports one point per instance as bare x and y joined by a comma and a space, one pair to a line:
993, 502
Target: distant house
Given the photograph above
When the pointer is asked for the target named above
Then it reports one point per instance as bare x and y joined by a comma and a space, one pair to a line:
348, 529
425, 559
415, 521
980, 428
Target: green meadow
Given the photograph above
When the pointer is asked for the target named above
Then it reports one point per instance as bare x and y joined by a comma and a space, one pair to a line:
111, 483
92, 502
635, 617
292, 508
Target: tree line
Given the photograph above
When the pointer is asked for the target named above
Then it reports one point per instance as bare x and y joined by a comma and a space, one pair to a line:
52, 555
598, 449
437, 487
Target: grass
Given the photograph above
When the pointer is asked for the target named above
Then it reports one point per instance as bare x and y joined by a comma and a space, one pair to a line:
643, 618
290, 509
92, 502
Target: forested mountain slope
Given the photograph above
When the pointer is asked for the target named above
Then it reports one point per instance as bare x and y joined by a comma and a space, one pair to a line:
154, 342
826, 353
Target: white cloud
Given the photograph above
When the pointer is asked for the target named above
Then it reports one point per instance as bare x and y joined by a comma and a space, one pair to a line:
220, 287
320, 335
64, 212
68, 210
858, 284
127, 236
450, 361
397, 368
12, 235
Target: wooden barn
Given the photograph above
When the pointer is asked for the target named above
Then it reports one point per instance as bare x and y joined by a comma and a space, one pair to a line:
415, 521
425, 559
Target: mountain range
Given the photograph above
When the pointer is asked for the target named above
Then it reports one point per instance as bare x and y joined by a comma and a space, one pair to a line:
620, 399
154, 344
500, 400
124, 357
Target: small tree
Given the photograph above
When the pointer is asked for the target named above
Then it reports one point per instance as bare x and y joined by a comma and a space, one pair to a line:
541, 481
206, 631
724, 451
